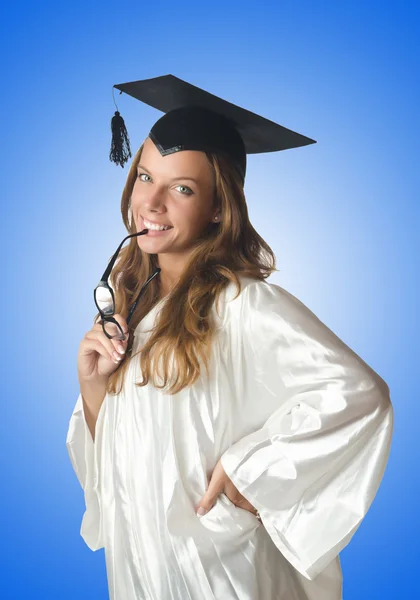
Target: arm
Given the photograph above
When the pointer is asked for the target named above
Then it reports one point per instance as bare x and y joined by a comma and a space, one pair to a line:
93, 395
88, 458
313, 468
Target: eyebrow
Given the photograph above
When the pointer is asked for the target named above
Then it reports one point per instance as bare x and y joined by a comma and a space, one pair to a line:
174, 178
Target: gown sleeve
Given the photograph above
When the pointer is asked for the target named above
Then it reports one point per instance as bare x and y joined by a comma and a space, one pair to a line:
84, 455
315, 463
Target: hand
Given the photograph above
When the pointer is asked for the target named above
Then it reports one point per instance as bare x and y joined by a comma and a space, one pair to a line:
219, 483
97, 357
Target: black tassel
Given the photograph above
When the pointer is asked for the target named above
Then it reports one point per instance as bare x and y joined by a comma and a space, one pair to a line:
120, 144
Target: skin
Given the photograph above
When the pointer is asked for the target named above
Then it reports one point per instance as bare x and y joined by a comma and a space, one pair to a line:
220, 483
164, 194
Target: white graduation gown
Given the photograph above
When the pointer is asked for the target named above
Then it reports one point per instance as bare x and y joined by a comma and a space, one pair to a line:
303, 428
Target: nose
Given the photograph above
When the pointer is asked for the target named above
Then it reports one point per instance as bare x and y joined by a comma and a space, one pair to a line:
154, 201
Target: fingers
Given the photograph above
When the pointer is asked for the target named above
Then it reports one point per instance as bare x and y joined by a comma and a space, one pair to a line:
114, 347
216, 483
220, 483
215, 487
123, 324
103, 345
100, 348
236, 497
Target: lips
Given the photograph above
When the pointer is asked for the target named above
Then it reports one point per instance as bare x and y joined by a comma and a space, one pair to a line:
158, 224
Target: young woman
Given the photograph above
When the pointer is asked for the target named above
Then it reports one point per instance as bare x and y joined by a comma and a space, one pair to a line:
219, 393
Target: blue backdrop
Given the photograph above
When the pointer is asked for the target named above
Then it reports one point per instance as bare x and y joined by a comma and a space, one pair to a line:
341, 215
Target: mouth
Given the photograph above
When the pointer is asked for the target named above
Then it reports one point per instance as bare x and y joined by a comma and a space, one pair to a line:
153, 228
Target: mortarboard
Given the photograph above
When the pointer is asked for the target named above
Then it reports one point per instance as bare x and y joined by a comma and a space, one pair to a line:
197, 120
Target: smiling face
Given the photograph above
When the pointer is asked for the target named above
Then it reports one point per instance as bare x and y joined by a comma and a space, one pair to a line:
175, 190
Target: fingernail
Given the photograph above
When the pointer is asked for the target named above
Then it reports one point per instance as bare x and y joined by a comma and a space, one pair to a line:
201, 511
120, 349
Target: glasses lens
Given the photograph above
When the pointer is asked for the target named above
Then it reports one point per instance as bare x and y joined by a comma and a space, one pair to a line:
113, 330
104, 300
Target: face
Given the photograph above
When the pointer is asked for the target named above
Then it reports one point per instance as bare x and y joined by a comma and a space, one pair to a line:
175, 190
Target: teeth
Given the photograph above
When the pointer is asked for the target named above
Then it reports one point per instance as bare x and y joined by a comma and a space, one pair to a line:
156, 227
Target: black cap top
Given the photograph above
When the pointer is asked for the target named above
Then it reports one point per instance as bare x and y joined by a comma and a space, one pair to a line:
198, 120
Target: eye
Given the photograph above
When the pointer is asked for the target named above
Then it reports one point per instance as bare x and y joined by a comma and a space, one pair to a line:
140, 174
188, 193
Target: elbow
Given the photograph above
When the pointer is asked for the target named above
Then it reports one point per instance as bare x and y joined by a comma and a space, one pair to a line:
371, 394
379, 396
383, 393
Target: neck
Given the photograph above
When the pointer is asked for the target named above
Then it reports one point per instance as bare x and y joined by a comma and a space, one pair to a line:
171, 268
167, 283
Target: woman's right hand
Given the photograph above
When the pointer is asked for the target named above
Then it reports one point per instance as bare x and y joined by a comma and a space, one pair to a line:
96, 359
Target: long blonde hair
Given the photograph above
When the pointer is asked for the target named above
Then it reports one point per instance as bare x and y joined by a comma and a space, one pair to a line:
183, 332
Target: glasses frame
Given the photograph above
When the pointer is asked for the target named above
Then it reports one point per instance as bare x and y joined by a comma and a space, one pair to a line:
103, 283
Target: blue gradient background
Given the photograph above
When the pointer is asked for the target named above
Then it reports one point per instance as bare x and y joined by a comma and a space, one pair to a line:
341, 216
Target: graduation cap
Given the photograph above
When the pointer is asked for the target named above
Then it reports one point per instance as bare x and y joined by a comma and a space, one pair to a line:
197, 120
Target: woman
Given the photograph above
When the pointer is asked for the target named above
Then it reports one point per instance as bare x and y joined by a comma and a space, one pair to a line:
229, 396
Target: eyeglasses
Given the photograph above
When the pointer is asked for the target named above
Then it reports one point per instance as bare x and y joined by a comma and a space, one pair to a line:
105, 301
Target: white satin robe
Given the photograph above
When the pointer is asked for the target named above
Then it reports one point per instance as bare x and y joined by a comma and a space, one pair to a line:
303, 428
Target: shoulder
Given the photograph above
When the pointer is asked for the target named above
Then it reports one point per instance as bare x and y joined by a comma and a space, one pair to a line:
260, 297
263, 306
257, 301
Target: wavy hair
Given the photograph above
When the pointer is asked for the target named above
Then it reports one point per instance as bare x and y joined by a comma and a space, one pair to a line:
183, 333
